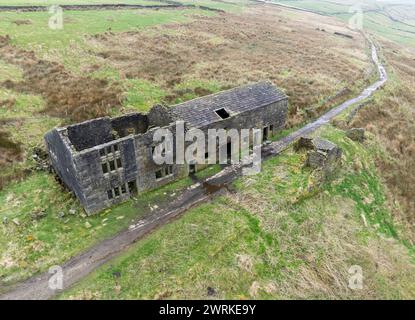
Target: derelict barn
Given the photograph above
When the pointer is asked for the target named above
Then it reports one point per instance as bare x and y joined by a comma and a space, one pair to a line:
103, 161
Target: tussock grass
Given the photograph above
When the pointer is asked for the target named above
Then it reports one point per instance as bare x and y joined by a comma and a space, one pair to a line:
272, 240
390, 118
216, 50
390, 20
283, 234
50, 74
42, 225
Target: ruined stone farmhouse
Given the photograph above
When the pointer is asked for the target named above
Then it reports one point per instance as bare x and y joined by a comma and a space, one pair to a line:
106, 160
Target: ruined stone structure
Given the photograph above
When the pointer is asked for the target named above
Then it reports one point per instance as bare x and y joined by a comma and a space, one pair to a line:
103, 161
322, 154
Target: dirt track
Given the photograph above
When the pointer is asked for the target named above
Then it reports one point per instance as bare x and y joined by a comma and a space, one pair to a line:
81, 265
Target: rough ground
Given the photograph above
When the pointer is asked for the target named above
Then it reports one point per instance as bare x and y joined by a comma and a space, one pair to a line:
9, 150
228, 49
68, 96
120, 6
391, 118
80, 266
212, 49
233, 49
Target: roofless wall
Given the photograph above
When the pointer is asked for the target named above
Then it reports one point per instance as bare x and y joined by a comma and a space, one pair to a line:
106, 160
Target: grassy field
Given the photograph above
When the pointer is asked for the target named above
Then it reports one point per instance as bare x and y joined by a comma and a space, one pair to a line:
43, 225
271, 239
23, 108
390, 117
37, 35
52, 2
229, 6
37, 228
392, 20
281, 235
76, 47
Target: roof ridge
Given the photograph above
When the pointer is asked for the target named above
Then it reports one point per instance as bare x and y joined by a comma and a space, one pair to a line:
236, 100
227, 90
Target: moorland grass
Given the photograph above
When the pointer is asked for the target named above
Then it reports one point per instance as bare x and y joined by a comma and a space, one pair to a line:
38, 229
271, 240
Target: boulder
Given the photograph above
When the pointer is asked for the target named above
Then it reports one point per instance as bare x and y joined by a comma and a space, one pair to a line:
37, 215
40, 156
356, 134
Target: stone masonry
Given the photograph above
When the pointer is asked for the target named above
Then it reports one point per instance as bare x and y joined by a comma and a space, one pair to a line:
104, 161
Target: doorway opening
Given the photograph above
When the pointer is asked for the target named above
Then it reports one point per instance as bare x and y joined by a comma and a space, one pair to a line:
265, 134
192, 168
229, 152
132, 187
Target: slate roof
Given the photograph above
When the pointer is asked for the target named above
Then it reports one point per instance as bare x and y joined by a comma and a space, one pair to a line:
201, 111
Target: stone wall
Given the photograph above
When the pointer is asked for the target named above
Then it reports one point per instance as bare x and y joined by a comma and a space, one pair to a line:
101, 170
147, 167
62, 161
90, 133
273, 114
159, 116
134, 123
95, 182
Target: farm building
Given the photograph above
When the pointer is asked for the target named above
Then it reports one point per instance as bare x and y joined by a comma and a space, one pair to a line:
104, 161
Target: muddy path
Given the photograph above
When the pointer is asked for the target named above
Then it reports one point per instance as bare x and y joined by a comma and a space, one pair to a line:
80, 266
88, 7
